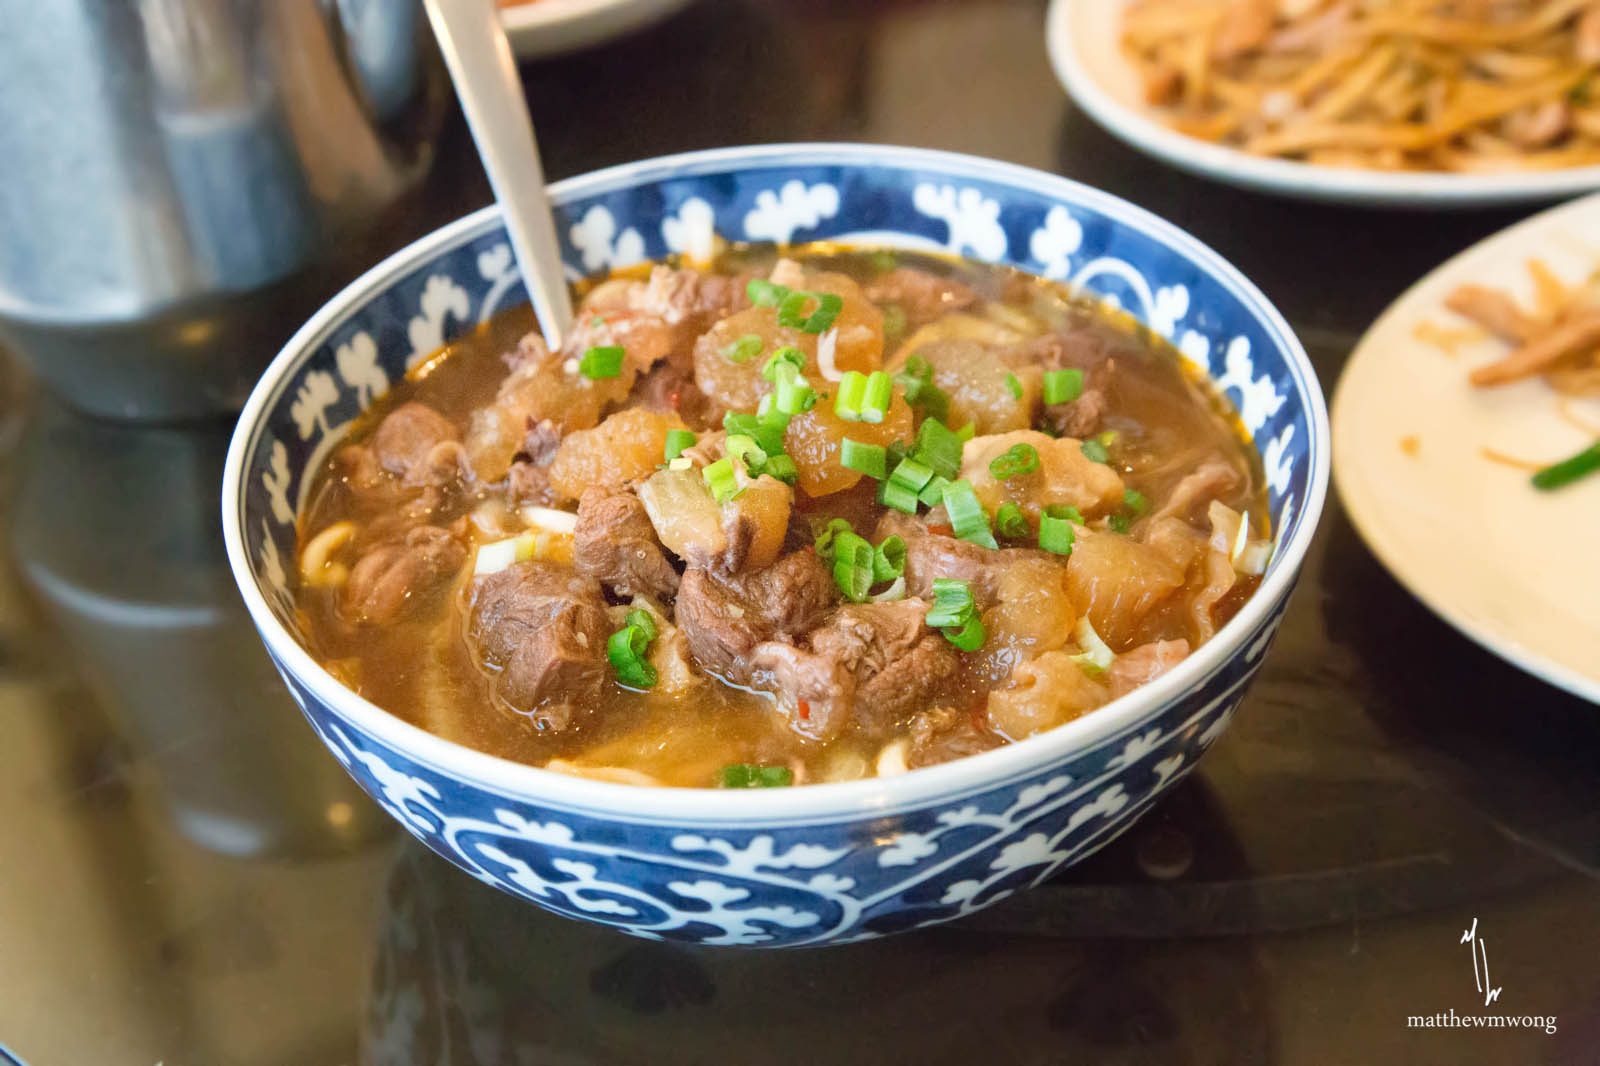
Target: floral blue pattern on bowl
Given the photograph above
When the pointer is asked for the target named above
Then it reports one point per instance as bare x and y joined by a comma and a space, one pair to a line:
826, 863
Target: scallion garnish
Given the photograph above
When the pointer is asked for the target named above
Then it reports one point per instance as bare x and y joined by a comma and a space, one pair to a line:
894, 321
602, 361
1020, 459
748, 775
1136, 501
1010, 522
932, 494
823, 545
626, 648
852, 565
1014, 386
852, 391
792, 356
720, 479
969, 637
1055, 533
644, 620
967, 518
764, 293
1095, 451
889, 559
1061, 510
747, 451
911, 474
677, 441
938, 448
952, 603
869, 459
917, 381
766, 430
792, 310
742, 350
967, 432
875, 401
1567, 471
782, 467
1063, 386
1117, 523
897, 496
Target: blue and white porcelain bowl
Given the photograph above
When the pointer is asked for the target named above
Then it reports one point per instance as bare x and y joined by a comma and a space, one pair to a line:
824, 863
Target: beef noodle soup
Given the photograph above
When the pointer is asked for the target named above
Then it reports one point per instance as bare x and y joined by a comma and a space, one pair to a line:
806, 515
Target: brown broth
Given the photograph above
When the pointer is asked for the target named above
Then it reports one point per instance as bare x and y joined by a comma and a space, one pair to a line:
420, 668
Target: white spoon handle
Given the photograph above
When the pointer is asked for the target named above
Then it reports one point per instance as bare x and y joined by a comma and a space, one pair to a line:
485, 75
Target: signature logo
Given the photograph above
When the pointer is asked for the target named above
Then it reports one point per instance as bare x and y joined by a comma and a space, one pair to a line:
1480, 964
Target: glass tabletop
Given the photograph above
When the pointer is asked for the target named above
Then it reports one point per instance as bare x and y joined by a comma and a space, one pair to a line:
189, 878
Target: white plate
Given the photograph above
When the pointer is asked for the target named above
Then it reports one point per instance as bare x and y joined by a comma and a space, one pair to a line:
1084, 38
551, 27
1513, 568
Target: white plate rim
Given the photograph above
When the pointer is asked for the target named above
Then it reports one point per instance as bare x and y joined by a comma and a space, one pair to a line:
1361, 511
1282, 176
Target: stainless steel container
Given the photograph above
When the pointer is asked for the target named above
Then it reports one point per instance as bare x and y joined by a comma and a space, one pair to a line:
179, 174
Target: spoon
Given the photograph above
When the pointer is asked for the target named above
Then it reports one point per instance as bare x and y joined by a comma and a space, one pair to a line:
479, 57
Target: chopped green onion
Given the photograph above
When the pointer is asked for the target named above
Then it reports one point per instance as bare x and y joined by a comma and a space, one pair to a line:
1136, 501
1071, 514
1021, 459
824, 542
766, 430
937, 447
952, 603
966, 432
883, 260
896, 591
747, 775
792, 310
748, 452
917, 381
1014, 386
677, 441
1095, 451
782, 467
919, 367
765, 293
1055, 534
625, 648
932, 494
852, 390
1108, 438
897, 496
966, 514
894, 321
794, 395
853, 557
786, 355
1011, 522
742, 350
644, 620
1117, 523
910, 474
889, 559
720, 479
869, 459
875, 402
969, 637
1063, 386
1567, 471
603, 361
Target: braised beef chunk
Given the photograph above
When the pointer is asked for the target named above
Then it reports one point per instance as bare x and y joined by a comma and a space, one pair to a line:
615, 543
404, 439
540, 630
725, 616
921, 295
540, 444
932, 555
1083, 350
946, 733
394, 579
1190, 497
529, 483
870, 665
1144, 664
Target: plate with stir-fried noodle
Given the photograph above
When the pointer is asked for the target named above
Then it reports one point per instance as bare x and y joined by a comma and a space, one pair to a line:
1466, 443
1406, 102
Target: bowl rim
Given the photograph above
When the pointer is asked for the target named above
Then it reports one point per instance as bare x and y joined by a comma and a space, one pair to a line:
812, 803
